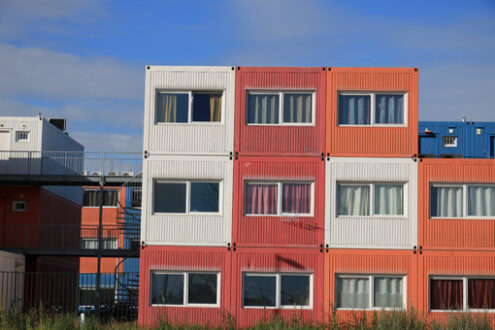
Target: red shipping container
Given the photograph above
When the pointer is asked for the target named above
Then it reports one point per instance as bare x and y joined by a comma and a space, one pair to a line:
270, 262
184, 259
445, 226
284, 136
290, 217
355, 138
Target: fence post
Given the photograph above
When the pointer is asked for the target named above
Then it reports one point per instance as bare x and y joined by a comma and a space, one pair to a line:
100, 234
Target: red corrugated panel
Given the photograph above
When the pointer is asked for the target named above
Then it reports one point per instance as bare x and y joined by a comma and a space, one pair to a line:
369, 141
449, 234
267, 260
183, 259
289, 231
368, 262
279, 139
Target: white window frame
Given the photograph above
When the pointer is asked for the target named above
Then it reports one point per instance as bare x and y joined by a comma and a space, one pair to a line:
188, 196
449, 145
281, 106
15, 206
20, 134
465, 307
465, 199
185, 274
104, 206
278, 287
190, 94
371, 186
371, 286
279, 185
373, 108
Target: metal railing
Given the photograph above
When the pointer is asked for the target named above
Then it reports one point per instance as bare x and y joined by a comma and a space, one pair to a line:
69, 163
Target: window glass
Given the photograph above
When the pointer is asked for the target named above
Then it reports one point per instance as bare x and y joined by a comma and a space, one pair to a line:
353, 200
92, 198
92, 243
389, 109
260, 199
388, 292
202, 288
297, 108
262, 109
481, 201
295, 290
19, 206
450, 141
481, 293
21, 136
354, 109
446, 202
296, 198
446, 294
389, 199
207, 107
172, 108
204, 197
170, 197
167, 289
352, 292
259, 291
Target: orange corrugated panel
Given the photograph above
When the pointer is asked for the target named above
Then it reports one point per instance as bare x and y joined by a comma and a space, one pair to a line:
368, 262
293, 139
156, 258
454, 233
280, 260
379, 140
279, 230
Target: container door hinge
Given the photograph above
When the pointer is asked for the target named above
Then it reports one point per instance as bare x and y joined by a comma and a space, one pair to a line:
420, 249
231, 155
327, 248
228, 244
235, 248
322, 156
328, 156
143, 245
236, 155
321, 248
146, 154
414, 249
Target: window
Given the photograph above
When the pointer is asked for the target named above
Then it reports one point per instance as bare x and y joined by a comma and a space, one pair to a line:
462, 200
188, 107
280, 108
462, 293
450, 141
370, 199
372, 108
186, 197
185, 288
91, 197
22, 136
265, 290
91, 243
369, 291
136, 197
263, 198
19, 206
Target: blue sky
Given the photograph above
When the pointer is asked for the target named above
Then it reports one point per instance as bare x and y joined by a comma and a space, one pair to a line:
84, 60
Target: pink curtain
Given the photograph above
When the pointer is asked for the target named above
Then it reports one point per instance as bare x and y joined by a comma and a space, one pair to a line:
296, 198
481, 293
446, 294
260, 199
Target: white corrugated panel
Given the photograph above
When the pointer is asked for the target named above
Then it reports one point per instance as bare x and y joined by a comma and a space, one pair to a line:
187, 229
394, 232
190, 138
53, 139
12, 267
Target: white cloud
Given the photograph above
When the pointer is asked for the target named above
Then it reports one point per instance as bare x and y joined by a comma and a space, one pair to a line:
109, 142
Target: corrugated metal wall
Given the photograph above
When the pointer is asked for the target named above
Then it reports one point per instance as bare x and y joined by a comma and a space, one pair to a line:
280, 139
32, 125
367, 141
184, 259
54, 139
189, 138
187, 229
279, 230
365, 231
464, 233
266, 260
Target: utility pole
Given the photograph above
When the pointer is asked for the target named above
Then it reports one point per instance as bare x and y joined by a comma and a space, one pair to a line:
100, 234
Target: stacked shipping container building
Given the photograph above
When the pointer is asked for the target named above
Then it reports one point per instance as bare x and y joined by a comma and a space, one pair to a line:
270, 190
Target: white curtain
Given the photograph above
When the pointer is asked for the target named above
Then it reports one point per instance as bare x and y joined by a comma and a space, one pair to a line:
352, 292
481, 200
89, 243
389, 109
262, 109
388, 292
389, 199
446, 202
354, 109
353, 200
297, 108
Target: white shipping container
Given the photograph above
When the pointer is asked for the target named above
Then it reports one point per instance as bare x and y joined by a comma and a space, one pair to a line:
370, 209
189, 227
12, 267
191, 137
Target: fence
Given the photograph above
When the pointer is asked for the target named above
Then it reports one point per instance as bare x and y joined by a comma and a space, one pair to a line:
71, 293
